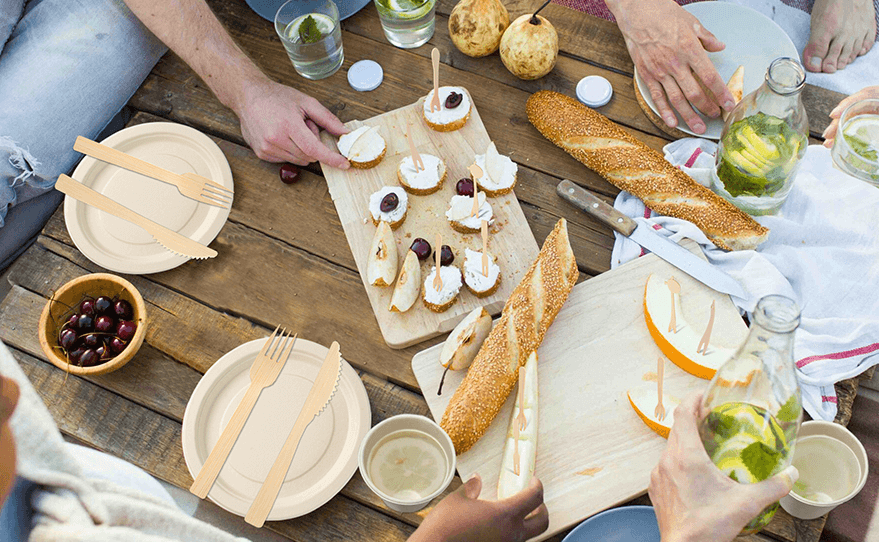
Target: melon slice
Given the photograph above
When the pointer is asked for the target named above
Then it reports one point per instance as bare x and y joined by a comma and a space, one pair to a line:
509, 483
644, 401
736, 86
680, 345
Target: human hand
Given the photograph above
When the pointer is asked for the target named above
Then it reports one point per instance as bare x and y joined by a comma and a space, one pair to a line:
281, 124
693, 499
668, 45
461, 517
863, 94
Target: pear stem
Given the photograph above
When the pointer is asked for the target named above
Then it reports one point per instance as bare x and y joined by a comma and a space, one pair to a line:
534, 20
443, 379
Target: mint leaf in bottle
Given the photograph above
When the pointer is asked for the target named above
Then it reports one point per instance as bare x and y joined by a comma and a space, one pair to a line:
309, 32
760, 460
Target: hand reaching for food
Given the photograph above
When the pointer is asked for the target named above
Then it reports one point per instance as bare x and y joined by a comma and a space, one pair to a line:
669, 48
462, 517
693, 499
281, 124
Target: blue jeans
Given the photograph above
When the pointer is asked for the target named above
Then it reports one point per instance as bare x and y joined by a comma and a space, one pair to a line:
67, 67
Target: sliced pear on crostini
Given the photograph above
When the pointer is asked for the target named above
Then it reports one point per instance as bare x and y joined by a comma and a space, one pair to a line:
369, 138
644, 400
493, 164
408, 284
509, 483
381, 264
464, 342
680, 345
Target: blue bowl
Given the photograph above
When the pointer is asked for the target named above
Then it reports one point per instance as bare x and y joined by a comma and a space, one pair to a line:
624, 524
268, 8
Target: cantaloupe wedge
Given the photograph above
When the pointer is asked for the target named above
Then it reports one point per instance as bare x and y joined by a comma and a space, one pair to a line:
509, 483
644, 400
679, 346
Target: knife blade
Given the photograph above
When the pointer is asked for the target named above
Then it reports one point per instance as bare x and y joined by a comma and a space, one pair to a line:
668, 250
169, 239
318, 398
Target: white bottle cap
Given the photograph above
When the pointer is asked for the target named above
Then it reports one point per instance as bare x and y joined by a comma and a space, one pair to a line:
365, 75
594, 91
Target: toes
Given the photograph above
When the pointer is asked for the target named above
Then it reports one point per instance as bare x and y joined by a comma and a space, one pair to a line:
845, 55
831, 61
816, 51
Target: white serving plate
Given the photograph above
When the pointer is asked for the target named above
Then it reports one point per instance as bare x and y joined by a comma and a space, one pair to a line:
122, 247
327, 454
752, 40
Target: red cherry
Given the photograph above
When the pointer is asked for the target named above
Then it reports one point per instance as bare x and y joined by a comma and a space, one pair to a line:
289, 173
464, 188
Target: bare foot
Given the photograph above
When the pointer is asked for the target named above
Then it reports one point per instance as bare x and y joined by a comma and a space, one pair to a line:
842, 30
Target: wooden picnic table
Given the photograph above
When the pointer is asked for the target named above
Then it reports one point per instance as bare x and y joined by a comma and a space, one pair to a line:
283, 254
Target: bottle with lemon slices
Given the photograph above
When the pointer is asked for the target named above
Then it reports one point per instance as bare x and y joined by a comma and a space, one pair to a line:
407, 23
752, 406
763, 142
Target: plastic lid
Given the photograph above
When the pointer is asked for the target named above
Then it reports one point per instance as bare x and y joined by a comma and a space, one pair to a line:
365, 75
594, 91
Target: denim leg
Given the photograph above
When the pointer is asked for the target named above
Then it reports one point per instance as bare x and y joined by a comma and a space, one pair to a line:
10, 12
67, 68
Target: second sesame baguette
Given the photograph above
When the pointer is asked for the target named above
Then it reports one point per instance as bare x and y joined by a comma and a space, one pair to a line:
528, 313
604, 147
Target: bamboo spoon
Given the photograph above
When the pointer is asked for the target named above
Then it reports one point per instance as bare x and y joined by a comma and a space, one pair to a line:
435, 102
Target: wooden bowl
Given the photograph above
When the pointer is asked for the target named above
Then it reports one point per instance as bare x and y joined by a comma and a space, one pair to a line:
66, 301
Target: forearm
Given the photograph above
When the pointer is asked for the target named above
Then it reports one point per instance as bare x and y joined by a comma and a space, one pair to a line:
192, 31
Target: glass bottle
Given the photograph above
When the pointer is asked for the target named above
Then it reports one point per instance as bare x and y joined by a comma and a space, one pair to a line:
752, 408
763, 141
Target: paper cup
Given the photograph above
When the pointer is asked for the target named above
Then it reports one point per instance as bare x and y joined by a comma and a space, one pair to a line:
407, 422
850, 450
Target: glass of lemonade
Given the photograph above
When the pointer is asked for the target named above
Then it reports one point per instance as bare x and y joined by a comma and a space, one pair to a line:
407, 23
856, 145
312, 36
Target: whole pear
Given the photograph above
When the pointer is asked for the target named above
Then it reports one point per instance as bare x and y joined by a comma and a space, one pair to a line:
476, 26
530, 50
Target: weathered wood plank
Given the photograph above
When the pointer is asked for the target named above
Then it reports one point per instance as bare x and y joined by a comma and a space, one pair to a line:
303, 215
408, 76
595, 40
122, 428
163, 385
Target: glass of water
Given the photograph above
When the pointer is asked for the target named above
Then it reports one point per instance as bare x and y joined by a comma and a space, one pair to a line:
407, 23
312, 36
856, 145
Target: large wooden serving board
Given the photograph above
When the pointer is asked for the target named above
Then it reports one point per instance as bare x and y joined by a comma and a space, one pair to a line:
510, 239
593, 452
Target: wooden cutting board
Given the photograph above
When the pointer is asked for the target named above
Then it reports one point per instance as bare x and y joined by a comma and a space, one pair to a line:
510, 238
593, 451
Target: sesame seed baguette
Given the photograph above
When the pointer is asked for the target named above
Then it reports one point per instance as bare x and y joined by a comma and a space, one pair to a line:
528, 313
604, 147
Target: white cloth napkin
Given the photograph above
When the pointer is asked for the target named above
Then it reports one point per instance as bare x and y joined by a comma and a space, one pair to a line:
823, 252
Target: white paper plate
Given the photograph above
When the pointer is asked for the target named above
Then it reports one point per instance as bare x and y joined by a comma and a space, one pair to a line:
119, 245
327, 454
752, 40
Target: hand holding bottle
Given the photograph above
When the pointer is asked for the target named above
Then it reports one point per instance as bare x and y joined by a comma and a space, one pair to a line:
693, 499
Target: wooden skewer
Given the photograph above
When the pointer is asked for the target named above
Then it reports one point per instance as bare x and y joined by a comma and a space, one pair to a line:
438, 280
706, 337
416, 158
475, 210
523, 422
485, 252
435, 104
516, 459
675, 288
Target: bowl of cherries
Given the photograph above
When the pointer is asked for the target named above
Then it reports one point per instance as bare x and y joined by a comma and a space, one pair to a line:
93, 325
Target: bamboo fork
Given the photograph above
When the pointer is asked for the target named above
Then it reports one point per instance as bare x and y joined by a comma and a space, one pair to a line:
265, 370
438, 280
192, 186
435, 101
674, 287
706, 337
485, 256
659, 412
416, 158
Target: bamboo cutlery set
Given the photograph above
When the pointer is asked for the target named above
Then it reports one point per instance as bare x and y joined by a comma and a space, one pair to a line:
195, 187
269, 363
